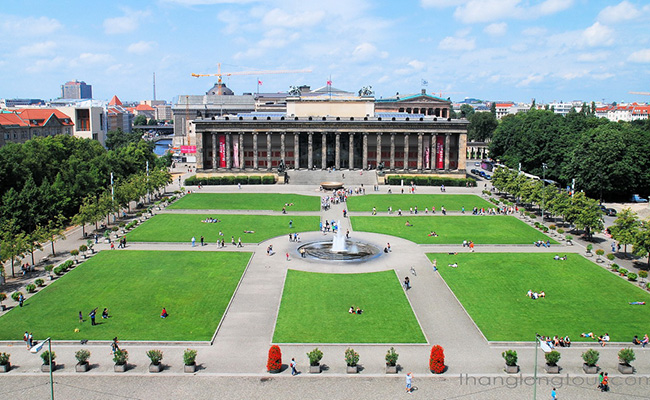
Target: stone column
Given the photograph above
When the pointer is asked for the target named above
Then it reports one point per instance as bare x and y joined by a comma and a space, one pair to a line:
200, 152
420, 151
337, 151
255, 162
323, 152
268, 151
282, 147
365, 151
432, 162
228, 137
296, 150
214, 151
392, 151
242, 165
447, 147
351, 151
406, 151
378, 149
310, 150
462, 152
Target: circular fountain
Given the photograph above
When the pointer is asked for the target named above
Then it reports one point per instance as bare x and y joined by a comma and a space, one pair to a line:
340, 249
331, 185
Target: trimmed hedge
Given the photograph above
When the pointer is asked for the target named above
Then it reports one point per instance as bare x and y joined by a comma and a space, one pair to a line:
429, 180
231, 180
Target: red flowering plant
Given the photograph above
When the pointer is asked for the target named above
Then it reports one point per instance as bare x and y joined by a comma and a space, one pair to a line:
274, 363
437, 360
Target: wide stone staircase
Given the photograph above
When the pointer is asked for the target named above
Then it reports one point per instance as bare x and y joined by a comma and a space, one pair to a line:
349, 178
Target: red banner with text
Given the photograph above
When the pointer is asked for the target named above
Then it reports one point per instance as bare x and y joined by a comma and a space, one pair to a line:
440, 152
222, 151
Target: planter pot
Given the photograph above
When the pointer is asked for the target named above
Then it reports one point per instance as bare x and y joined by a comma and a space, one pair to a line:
155, 368
190, 369
3, 307
590, 369
391, 369
274, 371
512, 369
552, 369
46, 367
625, 369
119, 368
314, 369
352, 369
5, 367
81, 367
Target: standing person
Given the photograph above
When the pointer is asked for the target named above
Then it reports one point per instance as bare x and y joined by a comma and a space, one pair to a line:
407, 283
193, 241
105, 313
605, 387
92, 315
600, 380
293, 367
81, 317
290, 223
30, 340
409, 382
21, 299
388, 247
239, 244
114, 346
287, 256
202, 241
553, 394
232, 240
26, 338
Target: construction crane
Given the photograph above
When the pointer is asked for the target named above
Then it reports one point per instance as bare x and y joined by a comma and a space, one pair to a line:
220, 74
643, 93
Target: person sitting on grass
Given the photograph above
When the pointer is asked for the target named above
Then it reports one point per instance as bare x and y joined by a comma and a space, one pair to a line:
645, 340
636, 340
557, 257
567, 341
603, 339
249, 231
563, 258
408, 224
164, 314
433, 234
454, 265
542, 294
637, 303
588, 335
359, 311
530, 293
351, 310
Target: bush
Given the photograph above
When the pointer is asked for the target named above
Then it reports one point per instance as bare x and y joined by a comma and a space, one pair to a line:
631, 276
4, 358
74, 253
254, 180
590, 357
189, 357
241, 179
437, 360
67, 265
611, 256
83, 248
155, 356
39, 282
58, 270
274, 362
3, 297
268, 180
552, 358
16, 295
315, 356
545, 229
510, 356
560, 231
391, 357
120, 357
31, 288
615, 267
48, 268
569, 237
600, 252
552, 227
626, 356
228, 180
590, 247
115, 229
122, 224
45, 356
622, 271
643, 274
351, 357
82, 356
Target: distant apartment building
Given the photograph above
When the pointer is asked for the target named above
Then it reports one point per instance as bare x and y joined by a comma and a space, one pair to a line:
76, 90
118, 117
624, 112
11, 103
23, 124
89, 117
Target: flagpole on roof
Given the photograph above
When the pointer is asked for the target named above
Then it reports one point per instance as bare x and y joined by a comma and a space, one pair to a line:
258, 86
329, 86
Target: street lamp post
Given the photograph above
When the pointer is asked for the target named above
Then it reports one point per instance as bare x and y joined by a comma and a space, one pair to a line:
36, 349
544, 166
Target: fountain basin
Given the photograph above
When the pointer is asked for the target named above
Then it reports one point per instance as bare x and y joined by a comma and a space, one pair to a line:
331, 185
355, 251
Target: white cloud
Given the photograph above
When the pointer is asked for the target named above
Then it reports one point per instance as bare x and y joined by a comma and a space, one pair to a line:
593, 56
438, 3
549, 7
534, 31
530, 79
456, 44
640, 56
278, 17
37, 49
598, 35
125, 24
416, 64
367, 52
496, 29
207, 2
46, 64
492, 10
11, 25
141, 47
623, 11
91, 58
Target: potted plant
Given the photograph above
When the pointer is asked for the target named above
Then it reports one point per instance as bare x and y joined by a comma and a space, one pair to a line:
90, 245
156, 357
74, 253
551, 362
569, 240
352, 359
48, 268
560, 231
39, 282
511, 361
189, 361
3, 297
314, 360
5, 365
391, 361
437, 360
274, 362
590, 247
622, 271
600, 253
615, 267
625, 357
83, 249
631, 276
82, 357
30, 287
610, 257
120, 357
48, 361
590, 358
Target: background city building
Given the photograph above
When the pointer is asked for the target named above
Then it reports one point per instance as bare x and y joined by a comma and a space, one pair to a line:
76, 90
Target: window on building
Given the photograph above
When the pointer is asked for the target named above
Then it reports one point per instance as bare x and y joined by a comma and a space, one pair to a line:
83, 119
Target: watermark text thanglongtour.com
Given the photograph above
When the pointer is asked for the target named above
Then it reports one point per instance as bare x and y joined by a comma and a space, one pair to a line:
514, 381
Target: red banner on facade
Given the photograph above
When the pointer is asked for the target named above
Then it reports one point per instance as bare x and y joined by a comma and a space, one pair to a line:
222, 151
440, 152
188, 149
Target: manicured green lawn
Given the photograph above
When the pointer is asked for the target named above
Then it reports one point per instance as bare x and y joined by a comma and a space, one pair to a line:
181, 227
452, 202
495, 229
580, 296
314, 309
135, 286
247, 201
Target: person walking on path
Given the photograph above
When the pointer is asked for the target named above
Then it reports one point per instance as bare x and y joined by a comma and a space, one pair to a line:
409, 382
26, 339
553, 394
114, 346
21, 300
287, 256
293, 367
92, 315
193, 241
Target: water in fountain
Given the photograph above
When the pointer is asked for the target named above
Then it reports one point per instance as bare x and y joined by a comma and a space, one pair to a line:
338, 241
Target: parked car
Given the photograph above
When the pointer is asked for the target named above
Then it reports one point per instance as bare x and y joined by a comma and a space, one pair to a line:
603, 209
610, 212
638, 199
477, 164
474, 171
488, 177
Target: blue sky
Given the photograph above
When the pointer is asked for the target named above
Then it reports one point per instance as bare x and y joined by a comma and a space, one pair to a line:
491, 49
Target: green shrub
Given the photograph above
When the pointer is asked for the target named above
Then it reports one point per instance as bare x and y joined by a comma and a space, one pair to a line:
315, 356
622, 271
83, 248
510, 356
48, 268
39, 282
569, 237
189, 357
643, 274
391, 357
4, 358
552, 227
191, 181
31, 288
560, 231
545, 229
122, 224
590, 357
74, 253
351, 357
120, 357
228, 180
626, 356
600, 252
615, 267
45, 356
155, 356
611, 256
268, 180
3, 297
631, 276
590, 247
254, 180
552, 358
421, 180
82, 356
16, 295
241, 179
58, 270
67, 265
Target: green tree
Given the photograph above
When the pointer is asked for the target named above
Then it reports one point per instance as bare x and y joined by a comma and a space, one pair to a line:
493, 109
625, 228
140, 120
14, 243
466, 111
586, 214
641, 245
55, 230
118, 138
481, 126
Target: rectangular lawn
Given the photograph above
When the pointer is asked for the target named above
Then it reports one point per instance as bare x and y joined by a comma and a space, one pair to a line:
580, 296
247, 201
134, 285
314, 309
451, 202
452, 229
181, 227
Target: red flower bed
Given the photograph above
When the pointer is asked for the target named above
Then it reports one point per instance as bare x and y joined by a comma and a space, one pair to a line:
275, 359
437, 360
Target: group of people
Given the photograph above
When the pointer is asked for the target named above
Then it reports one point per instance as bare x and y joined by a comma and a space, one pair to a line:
354, 310
558, 258
642, 342
557, 341
603, 339
122, 244
293, 237
469, 243
93, 314
535, 295
211, 220
541, 243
